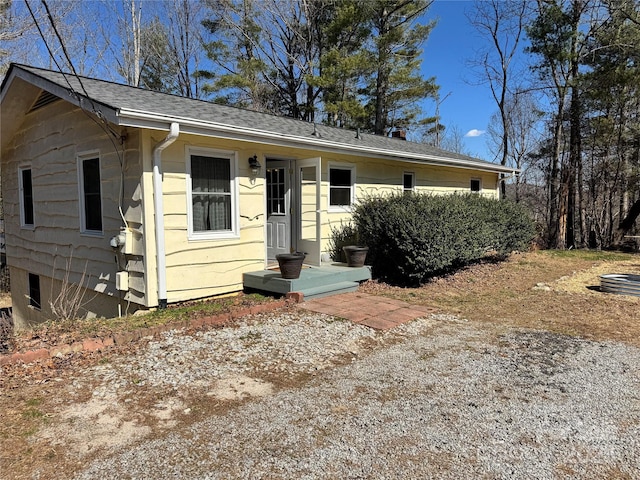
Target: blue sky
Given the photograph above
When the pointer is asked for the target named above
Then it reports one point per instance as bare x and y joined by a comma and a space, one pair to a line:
449, 47
451, 44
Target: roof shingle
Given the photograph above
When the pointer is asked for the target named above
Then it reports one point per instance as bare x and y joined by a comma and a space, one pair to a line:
121, 98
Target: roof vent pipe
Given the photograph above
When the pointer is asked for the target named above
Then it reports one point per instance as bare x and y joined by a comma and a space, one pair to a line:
158, 208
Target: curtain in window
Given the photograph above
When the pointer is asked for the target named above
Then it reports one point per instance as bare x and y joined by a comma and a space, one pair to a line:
211, 193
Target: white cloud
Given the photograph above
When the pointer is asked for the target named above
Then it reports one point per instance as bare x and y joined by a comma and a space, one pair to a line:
474, 133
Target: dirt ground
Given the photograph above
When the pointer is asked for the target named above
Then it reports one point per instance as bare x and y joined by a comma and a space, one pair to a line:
5, 300
553, 291
550, 291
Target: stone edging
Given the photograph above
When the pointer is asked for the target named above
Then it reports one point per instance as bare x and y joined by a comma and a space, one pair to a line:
118, 339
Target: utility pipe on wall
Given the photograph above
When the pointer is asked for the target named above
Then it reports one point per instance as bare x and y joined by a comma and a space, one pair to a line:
158, 208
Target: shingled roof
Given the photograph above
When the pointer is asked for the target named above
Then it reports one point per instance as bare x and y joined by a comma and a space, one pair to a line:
130, 106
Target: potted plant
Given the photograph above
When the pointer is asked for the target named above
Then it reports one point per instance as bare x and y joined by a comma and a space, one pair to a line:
290, 264
355, 254
344, 244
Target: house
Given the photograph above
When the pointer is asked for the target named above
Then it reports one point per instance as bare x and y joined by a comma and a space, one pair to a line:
147, 198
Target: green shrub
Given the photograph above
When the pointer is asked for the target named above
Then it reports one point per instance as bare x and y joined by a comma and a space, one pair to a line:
414, 237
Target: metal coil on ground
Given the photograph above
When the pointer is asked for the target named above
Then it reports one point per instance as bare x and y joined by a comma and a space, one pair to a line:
620, 283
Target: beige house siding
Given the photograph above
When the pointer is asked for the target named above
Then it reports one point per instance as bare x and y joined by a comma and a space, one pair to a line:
375, 177
49, 141
202, 268
25, 315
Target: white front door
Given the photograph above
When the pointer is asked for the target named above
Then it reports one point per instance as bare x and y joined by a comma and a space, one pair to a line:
278, 208
308, 209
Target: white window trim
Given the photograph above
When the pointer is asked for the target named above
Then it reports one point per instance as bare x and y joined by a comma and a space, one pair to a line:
352, 197
479, 180
27, 226
235, 198
80, 157
413, 182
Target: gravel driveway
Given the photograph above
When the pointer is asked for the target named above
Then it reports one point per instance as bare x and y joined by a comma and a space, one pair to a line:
437, 398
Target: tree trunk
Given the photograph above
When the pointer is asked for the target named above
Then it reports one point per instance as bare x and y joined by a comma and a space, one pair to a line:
381, 93
627, 223
554, 182
575, 143
382, 79
575, 147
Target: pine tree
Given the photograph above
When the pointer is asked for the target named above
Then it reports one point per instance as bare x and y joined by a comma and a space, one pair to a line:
343, 64
395, 86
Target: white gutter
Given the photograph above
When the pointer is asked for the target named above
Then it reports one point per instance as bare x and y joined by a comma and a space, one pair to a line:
158, 208
143, 119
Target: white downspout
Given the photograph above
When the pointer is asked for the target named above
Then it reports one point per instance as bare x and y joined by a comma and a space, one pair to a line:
158, 208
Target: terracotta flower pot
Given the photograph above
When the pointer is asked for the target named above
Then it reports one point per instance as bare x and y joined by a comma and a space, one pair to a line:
356, 255
290, 264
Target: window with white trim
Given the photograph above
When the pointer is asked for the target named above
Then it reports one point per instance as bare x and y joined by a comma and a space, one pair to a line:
475, 185
212, 194
25, 185
90, 193
408, 182
341, 187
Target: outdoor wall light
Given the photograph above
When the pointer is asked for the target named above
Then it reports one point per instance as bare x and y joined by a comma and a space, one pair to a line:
254, 164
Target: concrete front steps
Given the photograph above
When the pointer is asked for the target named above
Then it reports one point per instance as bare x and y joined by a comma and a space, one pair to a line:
314, 282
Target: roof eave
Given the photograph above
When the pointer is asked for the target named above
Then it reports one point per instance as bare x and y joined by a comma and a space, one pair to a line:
136, 118
102, 110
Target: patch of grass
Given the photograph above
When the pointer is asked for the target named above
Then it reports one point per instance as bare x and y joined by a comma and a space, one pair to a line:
504, 294
589, 255
33, 413
97, 327
29, 432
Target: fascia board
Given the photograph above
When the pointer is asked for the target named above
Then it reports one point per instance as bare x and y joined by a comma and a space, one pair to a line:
135, 118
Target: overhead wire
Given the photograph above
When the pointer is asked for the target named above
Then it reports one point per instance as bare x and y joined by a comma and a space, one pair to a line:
95, 112
103, 123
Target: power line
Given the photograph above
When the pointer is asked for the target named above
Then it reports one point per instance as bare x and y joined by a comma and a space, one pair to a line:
66, 54
35, 21
103, 123
94, 110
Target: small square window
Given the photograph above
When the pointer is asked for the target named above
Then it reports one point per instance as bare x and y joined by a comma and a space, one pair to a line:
34, 291
340, 187
476, 185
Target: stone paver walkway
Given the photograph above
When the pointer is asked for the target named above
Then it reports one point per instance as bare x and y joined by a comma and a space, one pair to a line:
373, 311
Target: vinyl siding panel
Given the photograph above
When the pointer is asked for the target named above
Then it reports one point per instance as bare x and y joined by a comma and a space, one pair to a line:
379, 177
201, 268
49, 140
